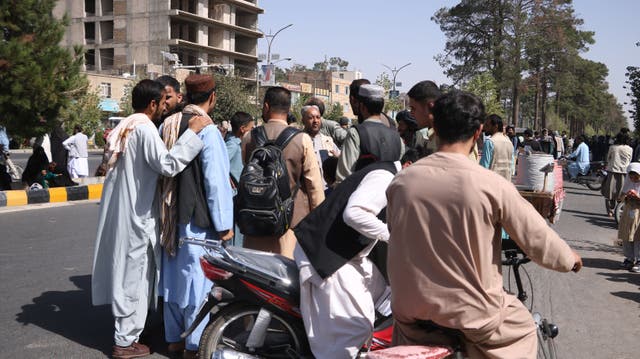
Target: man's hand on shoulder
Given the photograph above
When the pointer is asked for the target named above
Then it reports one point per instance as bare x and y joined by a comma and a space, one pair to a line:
197, 123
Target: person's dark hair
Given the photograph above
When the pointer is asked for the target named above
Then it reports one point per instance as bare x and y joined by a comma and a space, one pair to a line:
278, 98
622, 139
625, 130
197, 98
406, 117
239, 119
457, 115
77, 128
528, 133
496, 120
145, 92
291, 118
425, 91
373, 105
410, 155
167, 80
316, 102
354, 87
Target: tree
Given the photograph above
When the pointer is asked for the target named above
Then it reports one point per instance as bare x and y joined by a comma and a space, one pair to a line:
83, 111
484, 86
125, 102
334, 112
391, 105
633, 80
39, 76
232, 95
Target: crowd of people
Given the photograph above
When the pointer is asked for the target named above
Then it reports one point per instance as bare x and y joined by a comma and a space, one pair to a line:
424, 187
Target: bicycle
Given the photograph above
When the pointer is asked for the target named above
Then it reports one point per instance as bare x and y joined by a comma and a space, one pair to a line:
546, 331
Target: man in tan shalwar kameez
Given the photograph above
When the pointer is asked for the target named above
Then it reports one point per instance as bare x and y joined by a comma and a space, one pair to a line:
302, 166
444, 214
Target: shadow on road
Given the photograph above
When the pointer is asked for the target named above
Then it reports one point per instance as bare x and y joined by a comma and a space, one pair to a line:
597, 219
616, 274
71, 315
591, 246
585, 193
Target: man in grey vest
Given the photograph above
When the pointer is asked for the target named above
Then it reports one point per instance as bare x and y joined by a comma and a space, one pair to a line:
373, 139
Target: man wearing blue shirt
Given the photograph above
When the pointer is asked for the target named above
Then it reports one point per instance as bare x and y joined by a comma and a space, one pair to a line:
4, 139
580, 165
203, 209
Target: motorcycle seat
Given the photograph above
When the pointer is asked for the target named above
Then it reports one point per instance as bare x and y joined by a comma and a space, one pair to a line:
279, 268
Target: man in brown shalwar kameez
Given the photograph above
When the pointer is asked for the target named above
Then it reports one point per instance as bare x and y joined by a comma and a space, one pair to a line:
444, 214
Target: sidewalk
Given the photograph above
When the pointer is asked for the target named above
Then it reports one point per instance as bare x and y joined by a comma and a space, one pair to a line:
88, 188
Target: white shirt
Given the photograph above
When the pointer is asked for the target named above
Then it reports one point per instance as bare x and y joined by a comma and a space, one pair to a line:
361, 212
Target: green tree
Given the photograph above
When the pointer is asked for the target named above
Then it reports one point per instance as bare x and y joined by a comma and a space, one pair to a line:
39, 77
334, 112
232, 95
484, 86
391, 105
633, 82
83, 111
125, 102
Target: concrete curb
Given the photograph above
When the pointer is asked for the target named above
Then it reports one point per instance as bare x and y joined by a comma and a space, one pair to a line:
50, 195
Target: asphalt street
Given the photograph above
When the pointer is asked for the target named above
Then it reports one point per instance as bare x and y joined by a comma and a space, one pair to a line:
45, 281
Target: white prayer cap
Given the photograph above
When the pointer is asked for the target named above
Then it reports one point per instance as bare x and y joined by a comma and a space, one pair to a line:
371, 91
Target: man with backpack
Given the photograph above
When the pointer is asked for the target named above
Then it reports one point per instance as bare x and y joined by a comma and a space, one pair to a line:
265, 211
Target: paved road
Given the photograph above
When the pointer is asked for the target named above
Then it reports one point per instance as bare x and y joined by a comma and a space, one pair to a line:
46, 265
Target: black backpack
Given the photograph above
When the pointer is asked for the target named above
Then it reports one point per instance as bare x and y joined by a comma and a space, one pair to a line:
265, 200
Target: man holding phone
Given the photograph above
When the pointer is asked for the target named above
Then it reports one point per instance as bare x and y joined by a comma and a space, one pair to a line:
323, 145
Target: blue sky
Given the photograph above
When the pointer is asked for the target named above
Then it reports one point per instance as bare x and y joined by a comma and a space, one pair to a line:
371, 33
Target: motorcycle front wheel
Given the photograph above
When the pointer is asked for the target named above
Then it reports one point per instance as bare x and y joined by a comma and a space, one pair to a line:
230, 328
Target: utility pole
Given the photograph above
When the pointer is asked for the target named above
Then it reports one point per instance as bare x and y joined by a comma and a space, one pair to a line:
394, 73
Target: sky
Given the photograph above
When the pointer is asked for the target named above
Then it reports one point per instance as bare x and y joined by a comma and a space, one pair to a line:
373, 33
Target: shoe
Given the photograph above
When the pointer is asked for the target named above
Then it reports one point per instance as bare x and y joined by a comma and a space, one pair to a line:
626, 263
135, 350
635, 268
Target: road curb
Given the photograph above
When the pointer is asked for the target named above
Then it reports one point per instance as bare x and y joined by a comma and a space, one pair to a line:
50, 195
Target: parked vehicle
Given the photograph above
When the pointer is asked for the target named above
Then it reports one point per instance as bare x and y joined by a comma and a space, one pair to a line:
254, 307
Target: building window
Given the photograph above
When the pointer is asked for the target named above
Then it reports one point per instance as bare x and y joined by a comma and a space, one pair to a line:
341, 75
337, 88
90, 32
346, 90
105, 90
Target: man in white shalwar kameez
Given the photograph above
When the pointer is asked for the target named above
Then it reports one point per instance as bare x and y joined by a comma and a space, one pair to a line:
338, 305
127, 252
78, 165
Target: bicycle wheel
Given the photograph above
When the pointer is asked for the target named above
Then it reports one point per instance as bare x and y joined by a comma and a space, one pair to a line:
510, 286
546, 344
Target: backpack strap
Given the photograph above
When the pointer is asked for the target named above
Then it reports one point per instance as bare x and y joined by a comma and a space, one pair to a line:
259, 136
286, 136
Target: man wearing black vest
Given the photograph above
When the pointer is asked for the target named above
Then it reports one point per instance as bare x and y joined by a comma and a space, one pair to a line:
341, 282
197, 204
372, 139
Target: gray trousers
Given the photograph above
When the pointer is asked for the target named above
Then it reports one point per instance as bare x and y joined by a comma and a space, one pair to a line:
129, 328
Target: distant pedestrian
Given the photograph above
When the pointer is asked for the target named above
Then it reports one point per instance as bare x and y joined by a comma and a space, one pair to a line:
618, 159
127, 251
630, 219
78, 164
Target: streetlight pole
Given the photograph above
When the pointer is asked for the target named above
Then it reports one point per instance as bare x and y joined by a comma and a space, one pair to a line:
394, 72
270, 37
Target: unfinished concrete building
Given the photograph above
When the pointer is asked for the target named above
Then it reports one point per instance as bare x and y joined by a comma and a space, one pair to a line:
139, 36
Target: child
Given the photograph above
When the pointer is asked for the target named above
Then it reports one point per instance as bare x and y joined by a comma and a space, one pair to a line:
630, 219
47, 177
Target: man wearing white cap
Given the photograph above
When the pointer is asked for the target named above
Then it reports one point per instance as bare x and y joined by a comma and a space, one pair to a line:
371, 140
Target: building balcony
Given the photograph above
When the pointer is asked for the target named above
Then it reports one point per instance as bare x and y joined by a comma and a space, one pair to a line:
190, 17
212, 50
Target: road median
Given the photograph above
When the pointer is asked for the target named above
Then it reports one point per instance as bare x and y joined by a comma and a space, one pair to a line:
88, 190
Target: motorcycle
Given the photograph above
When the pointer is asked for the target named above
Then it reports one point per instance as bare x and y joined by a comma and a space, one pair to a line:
595, 176
254, 308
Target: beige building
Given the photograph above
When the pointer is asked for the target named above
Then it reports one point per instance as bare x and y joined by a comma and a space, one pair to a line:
141, 36
331, 86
